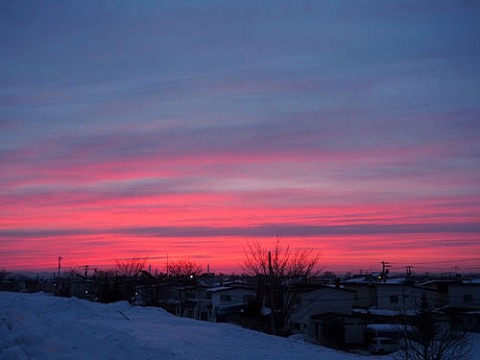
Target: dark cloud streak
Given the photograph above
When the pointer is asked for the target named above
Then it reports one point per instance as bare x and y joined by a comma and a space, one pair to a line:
252, 231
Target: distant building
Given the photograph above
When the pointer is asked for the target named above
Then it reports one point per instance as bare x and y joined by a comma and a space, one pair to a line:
315, 301
464, 309
227, 302
401, 296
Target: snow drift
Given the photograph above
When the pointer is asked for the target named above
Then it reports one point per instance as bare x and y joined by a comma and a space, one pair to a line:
40, 326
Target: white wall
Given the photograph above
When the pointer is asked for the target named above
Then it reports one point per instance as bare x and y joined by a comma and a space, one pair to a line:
400, 297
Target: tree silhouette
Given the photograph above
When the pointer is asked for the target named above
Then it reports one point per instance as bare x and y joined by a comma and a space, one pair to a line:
435, 339
130, 267
184, 269
281, 273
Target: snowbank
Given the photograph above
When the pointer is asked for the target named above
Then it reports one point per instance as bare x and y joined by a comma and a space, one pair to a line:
39, 326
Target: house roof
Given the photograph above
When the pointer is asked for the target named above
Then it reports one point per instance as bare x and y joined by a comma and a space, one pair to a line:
438, 281
471, 282
384, 312
227, 288
389, 327
307, 289
355, 280
219, 288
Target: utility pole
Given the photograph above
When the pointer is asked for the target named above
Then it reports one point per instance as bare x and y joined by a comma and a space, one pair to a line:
385, 266
409, 270
272, 294
86, 270
59, 266
405, 324
167, 265
71, 284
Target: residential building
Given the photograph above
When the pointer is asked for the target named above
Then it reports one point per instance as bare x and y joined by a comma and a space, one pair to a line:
316, 301
228, 301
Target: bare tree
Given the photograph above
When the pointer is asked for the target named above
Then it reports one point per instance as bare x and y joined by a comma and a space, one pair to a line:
184, 269
281, 272
434, 338
128, 271
291, 266
130, 267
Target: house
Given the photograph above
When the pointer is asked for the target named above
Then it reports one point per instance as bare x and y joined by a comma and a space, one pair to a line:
154, 294
442, 287
83, 288
403, 297
464, 295
12, 285
193, 301
227, 301
339, 330
464, 305
365, 294
315, 301
148, 290
390, 295
75, 285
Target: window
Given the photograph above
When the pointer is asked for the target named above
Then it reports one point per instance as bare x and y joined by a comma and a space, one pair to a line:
394, 299
467, 298
226, 297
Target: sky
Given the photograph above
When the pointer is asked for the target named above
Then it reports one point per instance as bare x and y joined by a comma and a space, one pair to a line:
188, 129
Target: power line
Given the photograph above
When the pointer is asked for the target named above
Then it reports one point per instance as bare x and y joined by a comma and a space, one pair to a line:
442, 261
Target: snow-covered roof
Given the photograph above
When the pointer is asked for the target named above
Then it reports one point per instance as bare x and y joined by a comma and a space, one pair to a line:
471, 281
219, 288
389, 327
383, 327
358, 280
383, 312
400, 280
226, 288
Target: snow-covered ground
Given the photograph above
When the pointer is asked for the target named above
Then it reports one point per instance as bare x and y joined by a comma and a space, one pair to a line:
40, 326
